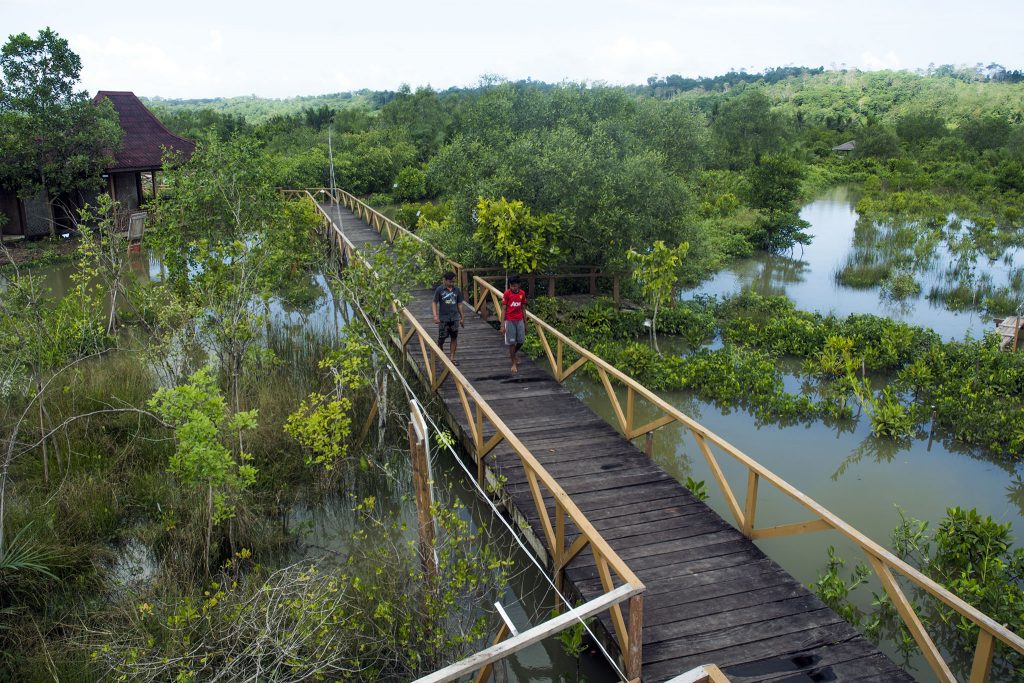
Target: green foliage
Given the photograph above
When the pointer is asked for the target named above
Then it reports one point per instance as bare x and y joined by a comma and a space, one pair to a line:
747, 128
202, 426
974, 557
322, 424
835, 591
519, 240
410, 185
697, 487
374, 617
657, 272
889, 417
775, 191
52, 138
230, 242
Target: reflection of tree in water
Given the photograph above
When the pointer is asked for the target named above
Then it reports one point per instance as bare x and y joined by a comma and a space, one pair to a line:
773, 273
878, 450
895, 307
1015, 492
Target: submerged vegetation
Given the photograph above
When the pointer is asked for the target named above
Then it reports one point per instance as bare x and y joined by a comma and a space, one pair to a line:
904, 378
973, 556
160, 434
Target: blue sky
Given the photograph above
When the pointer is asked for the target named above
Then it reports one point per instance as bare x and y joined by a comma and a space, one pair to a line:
300, 47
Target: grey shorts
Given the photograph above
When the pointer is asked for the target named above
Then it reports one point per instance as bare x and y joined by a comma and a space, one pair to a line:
515, 332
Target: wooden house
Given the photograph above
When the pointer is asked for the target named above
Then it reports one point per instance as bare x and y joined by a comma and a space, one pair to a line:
141, 153
139, 161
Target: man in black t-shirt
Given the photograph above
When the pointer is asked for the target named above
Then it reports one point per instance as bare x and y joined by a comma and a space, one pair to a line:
448, 314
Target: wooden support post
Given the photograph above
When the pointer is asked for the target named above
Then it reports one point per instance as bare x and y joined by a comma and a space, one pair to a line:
551, 286
532, 282
911, 620
633, 655
593, 282
424, 518
982, 664
649, 444
750, 510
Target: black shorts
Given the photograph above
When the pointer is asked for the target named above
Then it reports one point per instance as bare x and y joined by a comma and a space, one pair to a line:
447, 328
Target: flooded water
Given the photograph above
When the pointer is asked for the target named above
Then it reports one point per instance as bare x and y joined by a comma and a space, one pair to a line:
808, 275
324, 529
864, 480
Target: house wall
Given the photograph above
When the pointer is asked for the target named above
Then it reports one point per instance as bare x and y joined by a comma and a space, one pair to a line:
10, 207
126, 190
37, 216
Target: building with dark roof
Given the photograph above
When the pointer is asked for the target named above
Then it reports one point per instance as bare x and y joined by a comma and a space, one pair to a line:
142, 148
141, 155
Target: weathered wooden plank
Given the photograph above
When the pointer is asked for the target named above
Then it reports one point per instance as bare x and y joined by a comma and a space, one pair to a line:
807, 624
721, 597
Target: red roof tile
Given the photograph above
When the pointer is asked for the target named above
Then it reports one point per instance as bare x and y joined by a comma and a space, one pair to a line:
144, 135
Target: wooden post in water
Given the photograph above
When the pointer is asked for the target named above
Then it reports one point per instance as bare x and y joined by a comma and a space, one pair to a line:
421, 485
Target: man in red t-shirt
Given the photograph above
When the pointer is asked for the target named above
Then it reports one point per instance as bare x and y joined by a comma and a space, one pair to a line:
513, 323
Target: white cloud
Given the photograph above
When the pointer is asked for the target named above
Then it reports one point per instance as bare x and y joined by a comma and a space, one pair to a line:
890, 60
627, 57
216, 40
115, 64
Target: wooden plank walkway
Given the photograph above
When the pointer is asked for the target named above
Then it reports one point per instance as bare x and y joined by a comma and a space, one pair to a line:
712, 596
1009, 331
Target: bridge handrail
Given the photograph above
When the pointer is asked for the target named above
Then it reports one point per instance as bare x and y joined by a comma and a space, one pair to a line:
476, 410
380, 222
882, 560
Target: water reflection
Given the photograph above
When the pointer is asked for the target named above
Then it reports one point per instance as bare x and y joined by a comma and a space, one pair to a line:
937, 276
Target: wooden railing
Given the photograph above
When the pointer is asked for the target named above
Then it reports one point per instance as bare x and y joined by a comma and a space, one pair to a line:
487, 430
590, 273
388, 228
558, 347
884, 562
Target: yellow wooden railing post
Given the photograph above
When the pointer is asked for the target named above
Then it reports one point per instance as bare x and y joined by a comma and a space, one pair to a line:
750, 510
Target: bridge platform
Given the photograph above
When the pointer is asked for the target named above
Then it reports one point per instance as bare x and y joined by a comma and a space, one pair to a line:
712, 595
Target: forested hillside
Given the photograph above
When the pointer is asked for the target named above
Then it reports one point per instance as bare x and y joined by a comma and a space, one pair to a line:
721, 164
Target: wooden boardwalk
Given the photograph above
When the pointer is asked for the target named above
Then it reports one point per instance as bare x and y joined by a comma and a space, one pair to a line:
712, 596
1009, 331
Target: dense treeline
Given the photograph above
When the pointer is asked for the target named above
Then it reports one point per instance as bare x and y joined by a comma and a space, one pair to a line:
722, 165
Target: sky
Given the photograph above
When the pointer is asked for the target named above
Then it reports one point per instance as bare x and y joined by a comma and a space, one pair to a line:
224, 48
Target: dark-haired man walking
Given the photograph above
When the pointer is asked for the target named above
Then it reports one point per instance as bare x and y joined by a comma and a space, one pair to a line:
447, 308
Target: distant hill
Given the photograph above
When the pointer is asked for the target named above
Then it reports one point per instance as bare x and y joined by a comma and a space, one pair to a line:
258, 109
